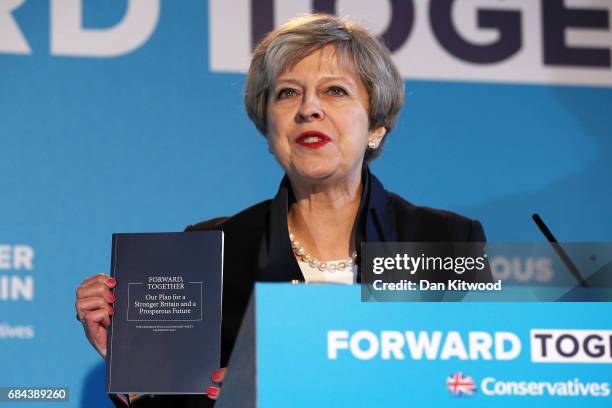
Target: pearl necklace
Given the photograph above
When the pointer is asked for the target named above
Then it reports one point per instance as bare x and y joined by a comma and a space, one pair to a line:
301, 253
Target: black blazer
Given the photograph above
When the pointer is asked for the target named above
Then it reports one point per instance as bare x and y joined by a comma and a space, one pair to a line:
257, 249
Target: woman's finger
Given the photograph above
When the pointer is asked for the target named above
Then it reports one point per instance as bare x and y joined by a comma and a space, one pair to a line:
219, 375
213, 392
101, 278
90, 304
95, 290
96, 318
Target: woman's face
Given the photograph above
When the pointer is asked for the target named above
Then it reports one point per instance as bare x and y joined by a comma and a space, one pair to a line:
318, 120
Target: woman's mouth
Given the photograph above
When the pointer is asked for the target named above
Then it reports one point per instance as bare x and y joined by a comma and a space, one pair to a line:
312, 140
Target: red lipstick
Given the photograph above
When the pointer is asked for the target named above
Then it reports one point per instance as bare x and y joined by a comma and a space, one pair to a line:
312, 139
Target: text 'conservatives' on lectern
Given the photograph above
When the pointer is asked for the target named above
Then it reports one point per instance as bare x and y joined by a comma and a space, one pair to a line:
305, 343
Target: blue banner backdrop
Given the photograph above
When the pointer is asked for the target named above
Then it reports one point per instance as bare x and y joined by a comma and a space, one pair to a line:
115, 118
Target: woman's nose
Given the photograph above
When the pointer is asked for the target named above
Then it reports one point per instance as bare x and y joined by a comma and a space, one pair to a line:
309, 110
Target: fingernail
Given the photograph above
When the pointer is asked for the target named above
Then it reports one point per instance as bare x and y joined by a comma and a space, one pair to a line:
111, 311
212, 391
216, 376
112, 297
111, 281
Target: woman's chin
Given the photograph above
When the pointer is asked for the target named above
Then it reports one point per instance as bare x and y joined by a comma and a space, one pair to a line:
319, 174
318, 171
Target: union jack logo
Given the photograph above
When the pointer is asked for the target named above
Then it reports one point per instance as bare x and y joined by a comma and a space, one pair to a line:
459, 385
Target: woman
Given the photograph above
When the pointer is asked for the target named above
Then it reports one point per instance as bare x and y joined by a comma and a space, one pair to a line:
325, 93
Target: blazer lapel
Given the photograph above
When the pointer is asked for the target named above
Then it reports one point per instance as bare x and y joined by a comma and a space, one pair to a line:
375, 218
380, 225
276, 261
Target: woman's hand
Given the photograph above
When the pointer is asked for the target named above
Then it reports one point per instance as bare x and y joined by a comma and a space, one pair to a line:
94, 310
217, 377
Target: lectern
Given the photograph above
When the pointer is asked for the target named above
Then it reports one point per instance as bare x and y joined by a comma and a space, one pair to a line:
320, 345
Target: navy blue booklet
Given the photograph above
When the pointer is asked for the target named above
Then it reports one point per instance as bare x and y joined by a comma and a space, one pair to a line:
165, 336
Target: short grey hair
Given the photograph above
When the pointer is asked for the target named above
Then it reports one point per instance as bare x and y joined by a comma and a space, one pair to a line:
284, 47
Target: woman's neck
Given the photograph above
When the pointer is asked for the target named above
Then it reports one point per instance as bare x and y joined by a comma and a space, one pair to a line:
323, 219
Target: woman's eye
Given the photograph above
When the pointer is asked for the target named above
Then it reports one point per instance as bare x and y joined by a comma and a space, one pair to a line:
285, 93
336, 91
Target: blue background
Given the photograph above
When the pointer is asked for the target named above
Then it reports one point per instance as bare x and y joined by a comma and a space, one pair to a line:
153, 141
